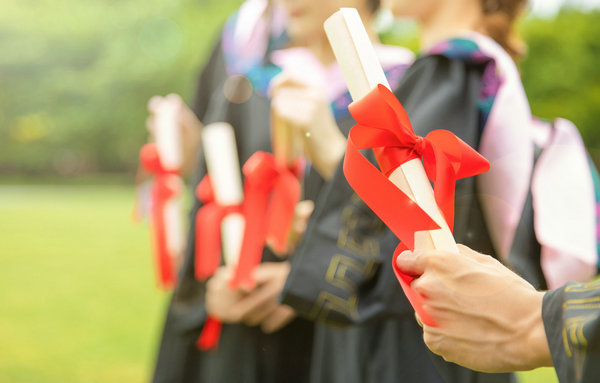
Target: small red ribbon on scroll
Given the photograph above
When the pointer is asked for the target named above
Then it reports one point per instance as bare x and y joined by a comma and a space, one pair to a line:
208, 251
384, 126
271, 192
166, 186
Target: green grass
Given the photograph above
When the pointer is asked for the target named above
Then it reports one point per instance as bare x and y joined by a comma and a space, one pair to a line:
78, 300
541, 375
78, 297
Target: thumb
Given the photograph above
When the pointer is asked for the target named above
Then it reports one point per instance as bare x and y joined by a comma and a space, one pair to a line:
410, 264
265, 272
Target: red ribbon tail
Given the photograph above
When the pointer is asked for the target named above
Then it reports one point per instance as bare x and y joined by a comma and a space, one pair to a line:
255, 207
208, 241
166, 186
209, 337
164, 261
280, 213
415, 299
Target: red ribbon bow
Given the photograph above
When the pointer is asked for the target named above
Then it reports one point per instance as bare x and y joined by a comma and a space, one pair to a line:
271, 192
166, 185
384, 126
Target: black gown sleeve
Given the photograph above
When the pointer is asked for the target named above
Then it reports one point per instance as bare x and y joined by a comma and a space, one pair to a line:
571, 317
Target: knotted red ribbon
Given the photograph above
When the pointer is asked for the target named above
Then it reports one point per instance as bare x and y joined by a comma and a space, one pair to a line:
271, 192
384, 126
208, 230
166, 186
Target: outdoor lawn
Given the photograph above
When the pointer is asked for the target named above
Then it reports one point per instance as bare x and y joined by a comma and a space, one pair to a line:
79, 300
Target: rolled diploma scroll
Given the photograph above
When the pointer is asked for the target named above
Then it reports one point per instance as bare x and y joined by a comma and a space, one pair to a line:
285, 143
220, 151
169, 147
363, 72
168, 134
174, 228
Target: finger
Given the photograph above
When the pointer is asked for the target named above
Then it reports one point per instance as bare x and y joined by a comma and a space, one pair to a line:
431, 340
189, 119
220, 277
174, 98
288, 108
278, 319
411, 263
285, 80
302, 213
153, 103
418, 318
288, 100
266, 272
257, 315
256, 299
304, 209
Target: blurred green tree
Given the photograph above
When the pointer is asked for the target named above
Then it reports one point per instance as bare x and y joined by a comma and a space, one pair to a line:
75, 76
561, 72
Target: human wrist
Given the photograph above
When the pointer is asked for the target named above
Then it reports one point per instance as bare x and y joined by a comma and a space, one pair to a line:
536, 350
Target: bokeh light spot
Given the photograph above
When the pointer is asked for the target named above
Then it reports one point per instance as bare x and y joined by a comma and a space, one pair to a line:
237, 89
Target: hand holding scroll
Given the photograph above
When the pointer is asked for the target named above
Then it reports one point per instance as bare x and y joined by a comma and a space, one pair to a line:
401, 194
188, 124
303, 110
488, 318
259, 306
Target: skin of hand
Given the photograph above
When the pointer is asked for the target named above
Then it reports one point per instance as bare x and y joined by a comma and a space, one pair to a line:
304, 109
221, 301
257, 307
488, 318
189, 124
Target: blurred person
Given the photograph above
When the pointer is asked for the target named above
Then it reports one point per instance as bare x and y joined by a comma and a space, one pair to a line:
465, 81
264, 51
490, 319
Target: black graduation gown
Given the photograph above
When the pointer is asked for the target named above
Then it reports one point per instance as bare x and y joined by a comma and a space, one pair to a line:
244, 354
571, 317
341, 273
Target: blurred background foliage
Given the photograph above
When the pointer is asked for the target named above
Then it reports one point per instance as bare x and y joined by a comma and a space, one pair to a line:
75, 76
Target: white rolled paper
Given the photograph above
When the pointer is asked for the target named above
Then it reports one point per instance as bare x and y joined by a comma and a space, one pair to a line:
361, 69
168, 134
220, 151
